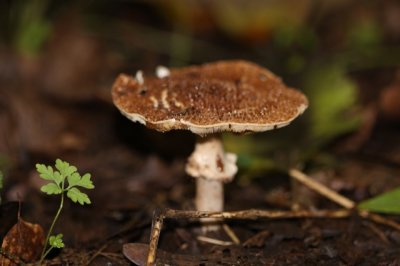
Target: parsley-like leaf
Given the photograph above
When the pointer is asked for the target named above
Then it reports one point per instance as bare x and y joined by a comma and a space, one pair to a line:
74, 179
57, 178
65, 168
85, 182
56, 241
64, 173
51, 188
77, 196
45, 172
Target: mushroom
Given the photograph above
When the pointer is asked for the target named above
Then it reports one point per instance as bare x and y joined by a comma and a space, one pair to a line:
224, 96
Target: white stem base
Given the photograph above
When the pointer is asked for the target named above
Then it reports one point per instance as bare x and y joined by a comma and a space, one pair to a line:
209, 195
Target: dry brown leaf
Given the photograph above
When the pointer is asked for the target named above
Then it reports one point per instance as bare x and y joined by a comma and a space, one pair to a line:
24, 242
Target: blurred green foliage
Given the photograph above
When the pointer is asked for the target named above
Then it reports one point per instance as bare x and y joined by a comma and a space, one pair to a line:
27, 25
32, 27
296, 43
1, 183
253, 21
333, 99
253, 166
364, 34
4, 161
388, 202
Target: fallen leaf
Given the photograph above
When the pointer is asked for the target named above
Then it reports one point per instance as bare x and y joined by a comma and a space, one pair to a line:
384, 203
23, 243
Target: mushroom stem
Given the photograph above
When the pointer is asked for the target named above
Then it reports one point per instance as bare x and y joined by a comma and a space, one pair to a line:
209, 195
212, 167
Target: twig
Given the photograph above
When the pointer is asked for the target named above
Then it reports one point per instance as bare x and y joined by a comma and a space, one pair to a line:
341, 200
377, 231
111, 256
231, 234
97, 253
158, 220
253, 214
379, 219
214, 241
321, 189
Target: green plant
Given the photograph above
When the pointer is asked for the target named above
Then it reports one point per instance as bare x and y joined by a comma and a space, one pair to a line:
388, 202
65, 180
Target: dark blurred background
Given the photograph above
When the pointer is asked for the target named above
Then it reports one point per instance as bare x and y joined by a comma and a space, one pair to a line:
58, 61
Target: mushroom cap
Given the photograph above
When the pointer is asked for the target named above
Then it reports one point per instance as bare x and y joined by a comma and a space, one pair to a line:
236, 96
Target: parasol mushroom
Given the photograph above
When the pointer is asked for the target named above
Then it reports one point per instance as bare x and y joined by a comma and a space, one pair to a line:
225, 96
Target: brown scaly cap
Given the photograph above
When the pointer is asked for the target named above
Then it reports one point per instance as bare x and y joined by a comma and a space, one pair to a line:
235, 96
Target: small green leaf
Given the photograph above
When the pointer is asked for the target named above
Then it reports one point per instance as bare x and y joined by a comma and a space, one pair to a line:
58, 186
61, 165
388, 202
45, 172
56, 241
70, 170
65, 168
74, 179
57, 177
77, 196
51, 188
86, 182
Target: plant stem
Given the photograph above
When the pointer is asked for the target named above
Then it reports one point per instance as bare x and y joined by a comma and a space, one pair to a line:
44, 253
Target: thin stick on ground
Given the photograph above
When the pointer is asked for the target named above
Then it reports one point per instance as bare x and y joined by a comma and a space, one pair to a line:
97, 253
214, 241
339, 199
253, 214
379, 219
377, 231
321, 189
158, 220
231, 234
